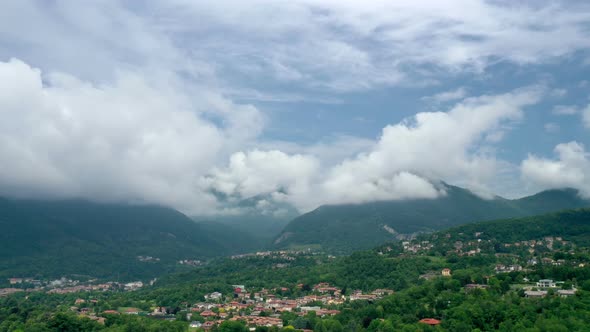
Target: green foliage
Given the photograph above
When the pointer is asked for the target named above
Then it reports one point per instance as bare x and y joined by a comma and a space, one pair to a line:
52, 239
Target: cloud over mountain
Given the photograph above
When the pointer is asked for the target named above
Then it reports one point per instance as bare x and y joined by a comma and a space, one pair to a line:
130, 140
429, 146
570, 169
182, 102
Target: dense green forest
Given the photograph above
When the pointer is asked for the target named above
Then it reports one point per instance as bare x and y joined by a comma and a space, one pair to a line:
56, 238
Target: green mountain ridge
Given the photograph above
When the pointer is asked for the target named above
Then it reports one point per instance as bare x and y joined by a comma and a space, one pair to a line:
55, 238
573, 225
345, 228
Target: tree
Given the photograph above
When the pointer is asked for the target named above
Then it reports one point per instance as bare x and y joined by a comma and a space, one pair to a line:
233, 326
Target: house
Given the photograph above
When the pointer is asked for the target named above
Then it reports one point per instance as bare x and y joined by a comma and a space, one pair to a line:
546, 283
446, 272
110, 312
14, 281
213, 296
195, 324
132, 311
531, 293
430, 321
133, 285
500, 268
261, 321
79, 301
566, 292
326, 312
382, 292
208, 313
239, 288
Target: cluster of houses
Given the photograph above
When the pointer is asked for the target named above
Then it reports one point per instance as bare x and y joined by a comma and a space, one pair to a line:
148, 259
289, 255
82, 288
416, 247
548, 242
16, 281
469, 248
190, 262
9, 291
67, 286
544, 285
501, 268
263, 308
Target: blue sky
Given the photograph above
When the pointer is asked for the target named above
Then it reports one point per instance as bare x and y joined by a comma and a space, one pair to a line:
302, 102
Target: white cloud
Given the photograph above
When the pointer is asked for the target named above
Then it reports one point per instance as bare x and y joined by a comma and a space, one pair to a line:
446, 96
573, 110
551, 127
402, 164
260, 172
440, 145
570, 169
130, 140
558, 93
347, 45
134, 101
138, 140
566, 110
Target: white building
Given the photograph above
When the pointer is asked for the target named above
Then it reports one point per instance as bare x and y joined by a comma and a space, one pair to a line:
213, 296
546, 283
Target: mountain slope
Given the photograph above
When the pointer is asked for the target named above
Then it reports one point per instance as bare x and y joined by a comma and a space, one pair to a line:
54, 238
343, 228
259, 216
573, 225
500, 236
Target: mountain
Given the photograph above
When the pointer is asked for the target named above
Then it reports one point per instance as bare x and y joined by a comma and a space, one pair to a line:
259, 216
343, 228
572, 225
55, 238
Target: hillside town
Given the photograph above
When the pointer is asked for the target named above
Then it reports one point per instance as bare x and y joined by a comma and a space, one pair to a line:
256, 308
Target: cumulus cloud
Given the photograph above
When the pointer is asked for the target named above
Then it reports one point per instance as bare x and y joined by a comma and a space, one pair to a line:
260, 172
570, 169
131, 140
144, 107
134, 140
405, 162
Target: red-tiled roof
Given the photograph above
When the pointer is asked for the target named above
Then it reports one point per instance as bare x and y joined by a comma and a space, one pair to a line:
430, 321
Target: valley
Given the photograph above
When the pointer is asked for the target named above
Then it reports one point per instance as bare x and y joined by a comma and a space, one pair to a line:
487, 275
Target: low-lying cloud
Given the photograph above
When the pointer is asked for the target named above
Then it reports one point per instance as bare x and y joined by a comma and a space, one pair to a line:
403, 163
131, 140
570, 169
141, 141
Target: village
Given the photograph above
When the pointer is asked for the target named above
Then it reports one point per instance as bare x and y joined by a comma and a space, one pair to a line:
261, 307
256, 308
67, 286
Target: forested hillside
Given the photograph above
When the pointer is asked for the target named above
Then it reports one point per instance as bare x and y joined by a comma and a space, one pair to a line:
343, 228
55, 238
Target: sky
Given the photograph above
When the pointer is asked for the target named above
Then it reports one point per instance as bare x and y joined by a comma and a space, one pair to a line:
198, 105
